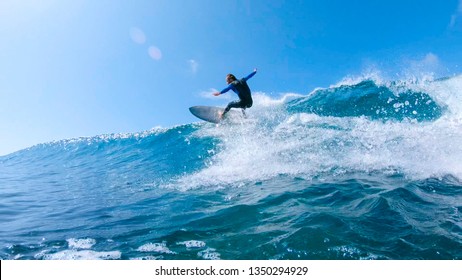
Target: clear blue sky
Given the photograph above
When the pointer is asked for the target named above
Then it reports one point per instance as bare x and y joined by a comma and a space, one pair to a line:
71, 68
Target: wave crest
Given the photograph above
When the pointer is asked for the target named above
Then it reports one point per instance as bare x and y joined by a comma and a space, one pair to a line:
368, 99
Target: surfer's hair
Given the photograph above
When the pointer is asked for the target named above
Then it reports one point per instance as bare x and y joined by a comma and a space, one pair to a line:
230, 77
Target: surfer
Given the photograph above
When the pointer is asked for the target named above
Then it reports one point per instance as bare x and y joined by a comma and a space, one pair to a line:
242, 90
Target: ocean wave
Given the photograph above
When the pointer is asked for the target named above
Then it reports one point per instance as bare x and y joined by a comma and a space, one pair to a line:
406, 127
368, 99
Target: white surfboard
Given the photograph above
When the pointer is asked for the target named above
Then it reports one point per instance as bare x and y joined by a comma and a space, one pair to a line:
212, 114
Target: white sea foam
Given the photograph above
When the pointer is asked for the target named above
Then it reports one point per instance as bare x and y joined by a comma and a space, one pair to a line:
192, 244
155, 247
86, 243
81, 255
209, 254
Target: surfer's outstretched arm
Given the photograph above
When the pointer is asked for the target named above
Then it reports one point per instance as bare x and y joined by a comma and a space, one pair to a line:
231, 86
251, 75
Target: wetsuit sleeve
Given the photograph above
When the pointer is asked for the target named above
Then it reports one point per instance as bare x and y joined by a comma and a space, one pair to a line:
227, 88
250, 75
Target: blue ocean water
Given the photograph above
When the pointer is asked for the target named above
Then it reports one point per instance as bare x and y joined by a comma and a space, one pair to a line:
364, 169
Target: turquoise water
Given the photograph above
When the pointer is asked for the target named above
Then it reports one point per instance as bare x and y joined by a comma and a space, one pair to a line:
361, 170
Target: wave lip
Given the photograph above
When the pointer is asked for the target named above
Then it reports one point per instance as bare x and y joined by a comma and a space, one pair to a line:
366, 98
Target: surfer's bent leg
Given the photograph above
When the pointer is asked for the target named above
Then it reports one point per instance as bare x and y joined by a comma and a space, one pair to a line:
245, 105
238, 104
233, 104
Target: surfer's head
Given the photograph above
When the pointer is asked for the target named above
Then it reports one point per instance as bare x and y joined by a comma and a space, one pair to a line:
230, 78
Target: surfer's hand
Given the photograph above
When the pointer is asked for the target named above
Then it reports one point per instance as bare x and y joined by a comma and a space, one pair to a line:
216, 93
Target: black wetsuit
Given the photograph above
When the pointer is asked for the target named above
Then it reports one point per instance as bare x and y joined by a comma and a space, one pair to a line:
243, 91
